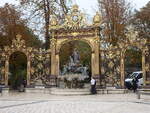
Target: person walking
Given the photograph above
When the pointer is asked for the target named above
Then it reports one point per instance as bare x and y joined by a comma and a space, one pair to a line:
93, 86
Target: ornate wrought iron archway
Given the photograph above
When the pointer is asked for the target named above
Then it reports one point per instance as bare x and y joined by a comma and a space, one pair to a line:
38, 62
113, 59
75, 28
17, 45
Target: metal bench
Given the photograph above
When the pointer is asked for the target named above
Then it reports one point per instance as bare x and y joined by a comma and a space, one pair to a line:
143, 92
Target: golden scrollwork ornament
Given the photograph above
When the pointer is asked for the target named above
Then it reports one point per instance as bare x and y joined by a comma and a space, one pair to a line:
147, 67
53, 42
18, 42
40, 66
118, 69
111, 64
32, 70
2, 70
97, 40
47, 71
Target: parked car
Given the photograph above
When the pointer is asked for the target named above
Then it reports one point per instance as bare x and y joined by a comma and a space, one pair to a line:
137, 76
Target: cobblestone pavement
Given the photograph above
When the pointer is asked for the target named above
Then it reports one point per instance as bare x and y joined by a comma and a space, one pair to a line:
45, 103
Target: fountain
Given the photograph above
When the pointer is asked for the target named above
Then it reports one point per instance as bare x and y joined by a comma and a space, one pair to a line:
74, 72
74, 66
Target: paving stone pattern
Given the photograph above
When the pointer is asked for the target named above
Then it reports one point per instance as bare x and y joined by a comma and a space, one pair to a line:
45, 103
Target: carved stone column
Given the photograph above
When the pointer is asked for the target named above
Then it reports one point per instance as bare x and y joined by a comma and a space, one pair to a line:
96, 45
96, 60
53, 54
6, 71
92, 63
143, 67
28, 71
57, 65
53, 61
122, 69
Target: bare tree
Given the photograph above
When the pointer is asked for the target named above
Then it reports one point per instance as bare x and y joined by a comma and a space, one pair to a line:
41, 11
11, 24
116, 15
141, 22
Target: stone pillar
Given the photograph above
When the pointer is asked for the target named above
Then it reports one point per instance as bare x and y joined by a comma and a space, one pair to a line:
53, 53
92, 63
57, 65
53, 61
6, 71
96, 60
143, 67
122, 69
28, 71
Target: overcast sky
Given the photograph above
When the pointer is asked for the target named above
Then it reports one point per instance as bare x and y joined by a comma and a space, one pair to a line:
89, 6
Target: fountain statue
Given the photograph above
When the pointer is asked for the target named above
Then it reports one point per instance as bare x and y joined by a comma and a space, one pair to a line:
76, 56
74, 66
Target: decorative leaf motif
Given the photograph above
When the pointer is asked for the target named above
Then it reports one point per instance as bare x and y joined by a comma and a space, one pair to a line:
18, 42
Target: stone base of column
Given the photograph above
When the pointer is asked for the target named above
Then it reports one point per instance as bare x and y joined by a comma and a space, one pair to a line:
53, 81
4, 90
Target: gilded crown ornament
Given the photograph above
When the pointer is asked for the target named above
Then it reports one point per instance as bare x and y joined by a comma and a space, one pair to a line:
73, 20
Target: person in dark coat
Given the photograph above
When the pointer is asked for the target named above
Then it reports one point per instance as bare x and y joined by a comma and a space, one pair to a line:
93, 86
135, 86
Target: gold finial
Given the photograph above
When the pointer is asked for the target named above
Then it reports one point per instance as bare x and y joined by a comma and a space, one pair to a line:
53, 21
97, 19
75, 8
18, 36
